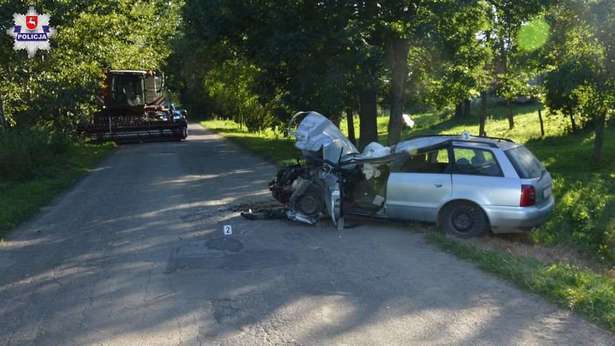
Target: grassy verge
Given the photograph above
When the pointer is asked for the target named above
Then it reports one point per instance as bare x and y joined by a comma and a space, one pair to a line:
580, 290
20, 199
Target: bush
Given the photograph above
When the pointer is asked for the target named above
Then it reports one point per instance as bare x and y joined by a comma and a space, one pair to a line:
24, 151
583, 216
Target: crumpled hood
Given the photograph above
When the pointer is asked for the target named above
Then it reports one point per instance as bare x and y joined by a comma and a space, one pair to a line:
316, 131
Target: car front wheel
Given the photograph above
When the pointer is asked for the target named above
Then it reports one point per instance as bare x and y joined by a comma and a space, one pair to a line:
464, 220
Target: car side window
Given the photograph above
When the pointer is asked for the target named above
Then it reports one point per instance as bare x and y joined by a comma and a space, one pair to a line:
434, 161
475, 161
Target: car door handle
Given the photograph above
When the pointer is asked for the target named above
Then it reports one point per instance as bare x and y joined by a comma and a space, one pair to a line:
437, 185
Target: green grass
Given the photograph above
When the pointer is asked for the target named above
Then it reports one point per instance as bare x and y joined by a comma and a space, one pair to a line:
526, 120
21, 199
577, 289
268, 144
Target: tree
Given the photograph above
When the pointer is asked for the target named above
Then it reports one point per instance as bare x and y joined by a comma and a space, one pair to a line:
306, 55
58, 87
582, 81
453, 27
392, 25
395, 26
297, 48
461, 57
506, 17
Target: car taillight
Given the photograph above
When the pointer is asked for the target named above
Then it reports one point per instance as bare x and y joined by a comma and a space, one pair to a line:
528, 196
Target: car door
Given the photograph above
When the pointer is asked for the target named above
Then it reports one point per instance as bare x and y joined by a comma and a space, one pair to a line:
418, 185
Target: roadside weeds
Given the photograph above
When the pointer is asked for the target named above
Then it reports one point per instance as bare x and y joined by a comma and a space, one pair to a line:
21, 199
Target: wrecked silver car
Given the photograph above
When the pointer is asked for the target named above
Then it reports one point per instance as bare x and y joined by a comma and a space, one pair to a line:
468, 185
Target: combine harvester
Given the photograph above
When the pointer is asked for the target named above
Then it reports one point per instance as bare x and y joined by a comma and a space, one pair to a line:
135, 106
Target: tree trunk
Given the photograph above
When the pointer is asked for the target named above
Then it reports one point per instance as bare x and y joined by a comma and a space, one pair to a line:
462, 109
483, 114
467, 107
573, 124
368, 112
542, 126
511, 119
459, 110
350, 125
3, 122
399, 67
599, 129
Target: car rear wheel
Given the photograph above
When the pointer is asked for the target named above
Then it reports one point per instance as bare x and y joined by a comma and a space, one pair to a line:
464, 220
181, 134
184, 133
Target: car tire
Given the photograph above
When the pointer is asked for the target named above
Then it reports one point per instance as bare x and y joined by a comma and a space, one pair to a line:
310, 203
464, 220
181, 134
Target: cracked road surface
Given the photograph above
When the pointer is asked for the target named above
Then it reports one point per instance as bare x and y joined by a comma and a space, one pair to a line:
133, 255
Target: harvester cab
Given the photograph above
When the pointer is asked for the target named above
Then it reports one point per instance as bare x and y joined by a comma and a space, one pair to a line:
135, 105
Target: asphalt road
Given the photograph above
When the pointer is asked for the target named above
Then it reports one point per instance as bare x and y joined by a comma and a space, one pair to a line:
134, 255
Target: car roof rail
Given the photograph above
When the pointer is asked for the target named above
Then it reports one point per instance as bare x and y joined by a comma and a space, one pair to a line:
490, 144
457, 135
472, 139
498, 138
451, 140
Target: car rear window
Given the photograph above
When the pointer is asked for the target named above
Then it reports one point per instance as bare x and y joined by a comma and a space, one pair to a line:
525, 163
